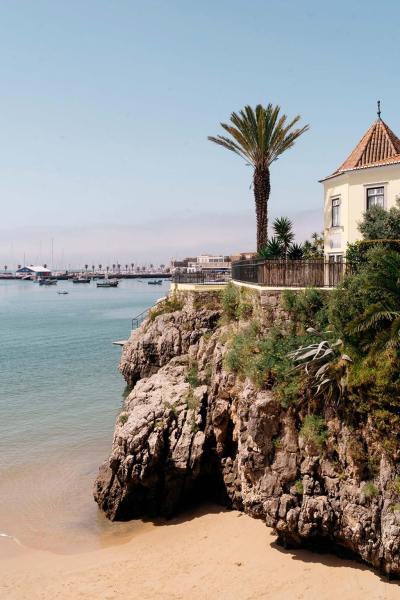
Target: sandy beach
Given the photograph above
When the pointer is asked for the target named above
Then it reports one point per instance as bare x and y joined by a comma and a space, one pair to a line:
205, 555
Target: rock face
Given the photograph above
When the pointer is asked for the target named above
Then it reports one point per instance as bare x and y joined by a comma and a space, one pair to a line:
190, 430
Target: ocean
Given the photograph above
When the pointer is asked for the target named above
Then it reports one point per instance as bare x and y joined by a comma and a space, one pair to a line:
60, 392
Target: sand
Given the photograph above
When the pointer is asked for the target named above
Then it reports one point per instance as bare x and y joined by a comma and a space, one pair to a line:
207, 555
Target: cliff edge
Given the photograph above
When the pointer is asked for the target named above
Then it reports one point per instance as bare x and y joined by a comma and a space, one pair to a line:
192, 429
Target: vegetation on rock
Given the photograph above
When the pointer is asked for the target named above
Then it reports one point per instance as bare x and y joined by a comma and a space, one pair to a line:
169, 305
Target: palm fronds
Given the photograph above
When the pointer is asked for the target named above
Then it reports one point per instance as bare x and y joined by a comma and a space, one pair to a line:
260, 135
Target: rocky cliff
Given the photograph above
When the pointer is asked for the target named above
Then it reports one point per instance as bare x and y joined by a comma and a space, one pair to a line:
190, 430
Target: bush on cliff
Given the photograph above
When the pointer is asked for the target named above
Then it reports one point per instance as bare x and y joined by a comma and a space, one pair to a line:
307, 308
236, 303
263, 358
365, 312
169, 305
314, 430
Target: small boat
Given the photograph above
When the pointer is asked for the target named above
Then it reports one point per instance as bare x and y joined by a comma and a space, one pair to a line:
108, 283
156, 282
63, 293
47, 281
81, 280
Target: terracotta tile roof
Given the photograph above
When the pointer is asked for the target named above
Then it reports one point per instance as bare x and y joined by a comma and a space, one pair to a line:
379, 146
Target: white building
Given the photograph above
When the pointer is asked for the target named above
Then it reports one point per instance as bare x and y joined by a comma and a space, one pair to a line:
33, 272
369, 176
209, 261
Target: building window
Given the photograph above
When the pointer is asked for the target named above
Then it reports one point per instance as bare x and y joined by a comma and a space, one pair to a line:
335, 212
375, 197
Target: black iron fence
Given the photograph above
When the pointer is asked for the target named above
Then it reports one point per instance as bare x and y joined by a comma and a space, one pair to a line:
289, 273
138, 320
208, 276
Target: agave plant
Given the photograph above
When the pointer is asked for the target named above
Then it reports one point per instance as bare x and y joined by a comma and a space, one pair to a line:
325, 364
273, 249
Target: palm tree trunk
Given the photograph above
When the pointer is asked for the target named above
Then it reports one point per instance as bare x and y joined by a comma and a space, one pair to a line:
262, 189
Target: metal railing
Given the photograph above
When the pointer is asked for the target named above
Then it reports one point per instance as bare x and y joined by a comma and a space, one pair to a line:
138, 320
208, 276
289, 273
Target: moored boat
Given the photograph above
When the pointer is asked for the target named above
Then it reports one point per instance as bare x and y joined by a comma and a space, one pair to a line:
81, 280
47, 281
156, 282
108, 283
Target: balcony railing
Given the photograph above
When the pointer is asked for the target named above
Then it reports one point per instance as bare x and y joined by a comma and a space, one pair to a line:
206, 277
289, 273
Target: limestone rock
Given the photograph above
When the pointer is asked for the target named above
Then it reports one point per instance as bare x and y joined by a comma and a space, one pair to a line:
175, 442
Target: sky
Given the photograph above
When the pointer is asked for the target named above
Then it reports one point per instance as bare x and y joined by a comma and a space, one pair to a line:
105, 109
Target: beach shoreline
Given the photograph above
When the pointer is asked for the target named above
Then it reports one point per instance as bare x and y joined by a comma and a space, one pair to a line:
205, 554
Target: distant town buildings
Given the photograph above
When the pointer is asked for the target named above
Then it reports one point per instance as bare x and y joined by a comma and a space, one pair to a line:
205, 262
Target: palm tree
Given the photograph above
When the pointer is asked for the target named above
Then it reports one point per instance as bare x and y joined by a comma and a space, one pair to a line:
283, 230
92, 268
132, 265
100, 267
260, 136
126, 268
5, 268
107, 269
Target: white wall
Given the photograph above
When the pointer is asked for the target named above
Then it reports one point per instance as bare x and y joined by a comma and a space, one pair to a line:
351, 187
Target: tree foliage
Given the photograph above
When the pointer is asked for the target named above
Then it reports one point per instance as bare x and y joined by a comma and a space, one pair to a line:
381, 224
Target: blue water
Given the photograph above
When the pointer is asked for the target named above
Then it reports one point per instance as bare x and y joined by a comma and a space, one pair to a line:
60, 391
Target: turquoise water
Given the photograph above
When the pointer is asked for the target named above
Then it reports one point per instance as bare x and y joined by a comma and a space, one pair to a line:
60, 391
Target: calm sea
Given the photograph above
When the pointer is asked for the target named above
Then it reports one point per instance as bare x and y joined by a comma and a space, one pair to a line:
60, 392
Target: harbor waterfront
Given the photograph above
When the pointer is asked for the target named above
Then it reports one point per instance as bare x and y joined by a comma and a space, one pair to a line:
60, 392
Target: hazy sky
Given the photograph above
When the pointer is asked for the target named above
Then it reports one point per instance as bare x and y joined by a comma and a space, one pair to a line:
105, 108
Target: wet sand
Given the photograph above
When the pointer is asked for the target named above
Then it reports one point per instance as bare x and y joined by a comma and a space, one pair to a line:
205, 555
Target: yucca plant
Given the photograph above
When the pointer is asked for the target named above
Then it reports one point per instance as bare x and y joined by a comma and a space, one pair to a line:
260, 136
324, 364
283, 230
295, 252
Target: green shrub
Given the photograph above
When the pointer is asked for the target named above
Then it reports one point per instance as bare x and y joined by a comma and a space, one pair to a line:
208, 374
277, 442
243, 347
395, 486
169, 305
314, 430
123, 417
298, 486
192, 402
192, 376
307, 307
264, 359
369, 490
230, 301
